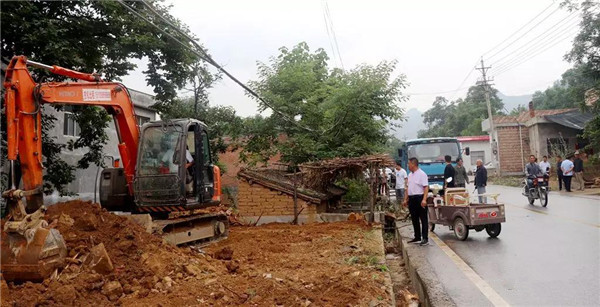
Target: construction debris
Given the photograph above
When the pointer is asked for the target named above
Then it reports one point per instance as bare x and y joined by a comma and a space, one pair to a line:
98, 260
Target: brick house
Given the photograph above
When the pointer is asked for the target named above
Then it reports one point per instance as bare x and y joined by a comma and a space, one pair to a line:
535, 132
269, 193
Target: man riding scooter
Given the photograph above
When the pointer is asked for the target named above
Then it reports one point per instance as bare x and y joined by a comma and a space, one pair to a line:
532, 170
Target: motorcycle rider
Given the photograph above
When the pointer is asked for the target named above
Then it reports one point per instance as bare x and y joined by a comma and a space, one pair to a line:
532, 170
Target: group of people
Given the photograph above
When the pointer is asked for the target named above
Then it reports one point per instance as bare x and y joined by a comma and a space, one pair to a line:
412, 190
566, 169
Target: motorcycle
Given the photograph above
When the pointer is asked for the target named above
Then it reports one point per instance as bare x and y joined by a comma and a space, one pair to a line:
538, 190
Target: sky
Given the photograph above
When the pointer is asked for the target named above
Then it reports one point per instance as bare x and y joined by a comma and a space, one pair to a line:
437, 43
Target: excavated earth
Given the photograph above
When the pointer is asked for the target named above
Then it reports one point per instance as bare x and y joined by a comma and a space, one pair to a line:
336, 264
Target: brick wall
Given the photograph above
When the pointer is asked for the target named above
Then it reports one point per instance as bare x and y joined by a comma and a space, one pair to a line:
255, 200
233, 164
509, 146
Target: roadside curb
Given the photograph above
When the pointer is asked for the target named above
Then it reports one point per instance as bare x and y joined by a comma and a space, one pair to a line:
430, 291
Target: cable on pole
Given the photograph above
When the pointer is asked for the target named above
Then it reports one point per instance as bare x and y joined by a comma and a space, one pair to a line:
204, 56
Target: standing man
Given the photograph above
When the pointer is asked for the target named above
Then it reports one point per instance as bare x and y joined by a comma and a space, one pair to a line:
545, 166
567, 170
481, 181
559, 172
461, 177
578, 169
416, 199
401, 178
449, 173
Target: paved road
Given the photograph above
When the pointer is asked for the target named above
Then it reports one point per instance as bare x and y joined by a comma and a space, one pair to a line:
543, 256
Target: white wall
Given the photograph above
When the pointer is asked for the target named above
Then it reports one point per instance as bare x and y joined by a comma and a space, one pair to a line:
476, 146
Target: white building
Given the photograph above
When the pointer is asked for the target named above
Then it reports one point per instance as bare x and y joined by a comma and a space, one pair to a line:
480, 149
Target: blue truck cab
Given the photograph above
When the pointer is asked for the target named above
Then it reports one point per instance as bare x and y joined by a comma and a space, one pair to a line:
431, 152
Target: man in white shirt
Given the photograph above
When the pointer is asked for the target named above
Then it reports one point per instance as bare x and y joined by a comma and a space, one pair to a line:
401, 178
416, 200
545, 166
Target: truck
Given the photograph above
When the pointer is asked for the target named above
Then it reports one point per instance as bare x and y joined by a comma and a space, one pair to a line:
167, 169
431, 152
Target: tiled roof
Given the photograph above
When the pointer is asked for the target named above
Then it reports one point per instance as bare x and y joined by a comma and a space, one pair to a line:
524, 116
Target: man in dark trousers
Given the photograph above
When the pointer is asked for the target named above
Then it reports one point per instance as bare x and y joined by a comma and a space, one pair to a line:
449, 173
578, 169
416, 200
481, 181
559, 172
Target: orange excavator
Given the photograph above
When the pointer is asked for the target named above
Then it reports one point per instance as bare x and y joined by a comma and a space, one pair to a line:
167, 170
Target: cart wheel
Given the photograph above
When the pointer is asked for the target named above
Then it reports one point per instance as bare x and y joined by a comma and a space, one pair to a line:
461, 231
431, 227
493, 230
544, 198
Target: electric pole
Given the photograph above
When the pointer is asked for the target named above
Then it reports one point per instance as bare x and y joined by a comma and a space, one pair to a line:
485, 82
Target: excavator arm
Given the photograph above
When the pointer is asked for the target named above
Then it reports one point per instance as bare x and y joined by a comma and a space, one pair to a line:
23, 102
29, 250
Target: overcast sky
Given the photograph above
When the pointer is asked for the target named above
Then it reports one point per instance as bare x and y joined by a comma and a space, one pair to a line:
436, 43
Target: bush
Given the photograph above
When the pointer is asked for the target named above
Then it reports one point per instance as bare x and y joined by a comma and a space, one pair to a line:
358, 190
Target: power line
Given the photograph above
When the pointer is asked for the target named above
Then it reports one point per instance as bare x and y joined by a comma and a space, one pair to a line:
521, 28
534, 55
556, 28
463, 81
337, 47
522, 35
436, 93
533, 49
206, 57
333, 54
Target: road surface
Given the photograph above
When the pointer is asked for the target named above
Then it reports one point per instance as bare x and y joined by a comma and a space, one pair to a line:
543, 256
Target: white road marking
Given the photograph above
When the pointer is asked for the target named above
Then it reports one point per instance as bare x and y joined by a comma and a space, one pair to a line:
554, 215
483, 286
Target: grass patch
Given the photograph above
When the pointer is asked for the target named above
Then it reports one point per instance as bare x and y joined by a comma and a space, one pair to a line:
511, 181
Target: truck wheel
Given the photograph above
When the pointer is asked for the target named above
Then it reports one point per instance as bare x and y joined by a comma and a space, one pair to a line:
431, 227
493, 230
461, 231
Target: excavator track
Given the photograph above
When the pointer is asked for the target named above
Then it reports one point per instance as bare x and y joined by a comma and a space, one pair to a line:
193, 229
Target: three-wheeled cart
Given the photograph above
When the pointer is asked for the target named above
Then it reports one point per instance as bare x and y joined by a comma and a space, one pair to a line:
456, 211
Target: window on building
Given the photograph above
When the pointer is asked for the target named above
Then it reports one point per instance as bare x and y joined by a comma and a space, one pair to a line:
141, 120
557, 146
70, 126
477, 155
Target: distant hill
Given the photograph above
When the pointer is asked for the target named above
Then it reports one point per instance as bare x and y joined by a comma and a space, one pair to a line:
512, 102
410, 127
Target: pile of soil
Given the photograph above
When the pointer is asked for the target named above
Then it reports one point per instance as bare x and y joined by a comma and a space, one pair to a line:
278, 264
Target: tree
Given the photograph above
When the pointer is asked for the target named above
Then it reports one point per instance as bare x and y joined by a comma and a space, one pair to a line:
222, 121
90, 36
320, 112
460, 117
566, 93
586, 56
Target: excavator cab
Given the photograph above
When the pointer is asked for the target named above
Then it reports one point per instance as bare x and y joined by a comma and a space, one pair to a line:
174, 172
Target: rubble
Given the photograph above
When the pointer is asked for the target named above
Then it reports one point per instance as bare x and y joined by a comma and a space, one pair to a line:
98, 260
119, 263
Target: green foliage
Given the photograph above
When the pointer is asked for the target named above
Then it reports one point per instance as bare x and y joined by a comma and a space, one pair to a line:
584, 54
460, 117
328, 113
93, 36
222, 121
392, 146
358, 189
569, 92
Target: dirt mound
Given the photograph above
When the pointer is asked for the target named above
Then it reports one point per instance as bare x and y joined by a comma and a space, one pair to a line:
140, 260
278, 264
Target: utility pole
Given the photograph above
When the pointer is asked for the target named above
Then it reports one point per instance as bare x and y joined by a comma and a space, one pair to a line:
485, 82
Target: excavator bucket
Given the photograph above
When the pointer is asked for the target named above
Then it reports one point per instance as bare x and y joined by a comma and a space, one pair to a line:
29, 250
32, 257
